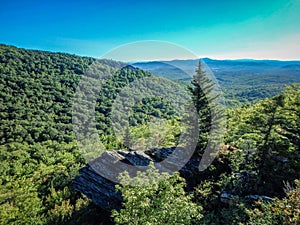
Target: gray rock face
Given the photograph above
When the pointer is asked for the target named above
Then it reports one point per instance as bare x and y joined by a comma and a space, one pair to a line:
227, 197
97, 180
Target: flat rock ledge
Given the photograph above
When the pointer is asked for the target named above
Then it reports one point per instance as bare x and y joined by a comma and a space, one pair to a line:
97, 180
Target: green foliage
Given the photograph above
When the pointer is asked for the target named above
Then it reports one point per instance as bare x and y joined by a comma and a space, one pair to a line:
155, 134
200, 92
36, 93
282, 211
155, 198
35, 181
270, 129
39, 157
267, 137
38, 154
20, 203
37, 90
143, 111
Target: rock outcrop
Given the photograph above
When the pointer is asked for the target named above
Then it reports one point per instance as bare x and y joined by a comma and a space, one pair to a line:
97, 180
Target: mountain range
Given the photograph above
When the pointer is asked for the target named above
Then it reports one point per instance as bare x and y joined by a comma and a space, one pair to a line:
241, 80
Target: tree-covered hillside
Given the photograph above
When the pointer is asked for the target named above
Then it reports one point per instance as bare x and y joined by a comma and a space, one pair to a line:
40, 155
253, 180
37, 91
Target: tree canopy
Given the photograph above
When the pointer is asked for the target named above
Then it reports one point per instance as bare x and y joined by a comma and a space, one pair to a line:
254, 180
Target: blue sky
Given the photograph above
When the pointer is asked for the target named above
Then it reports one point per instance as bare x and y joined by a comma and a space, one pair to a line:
219, 29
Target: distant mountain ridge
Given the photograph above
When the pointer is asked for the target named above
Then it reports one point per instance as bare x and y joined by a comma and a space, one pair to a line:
242, 80
214, 64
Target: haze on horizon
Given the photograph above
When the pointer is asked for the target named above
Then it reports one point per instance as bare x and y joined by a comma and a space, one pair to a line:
257, 29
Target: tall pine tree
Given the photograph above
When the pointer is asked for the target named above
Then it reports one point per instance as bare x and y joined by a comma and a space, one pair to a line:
200, 89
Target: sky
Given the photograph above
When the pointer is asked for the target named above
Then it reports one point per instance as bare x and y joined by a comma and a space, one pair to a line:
220, 29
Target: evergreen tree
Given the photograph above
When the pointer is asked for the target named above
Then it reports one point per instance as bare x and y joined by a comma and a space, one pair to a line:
201, 88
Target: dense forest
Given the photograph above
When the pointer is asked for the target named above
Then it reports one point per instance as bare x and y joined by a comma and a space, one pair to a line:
253, 180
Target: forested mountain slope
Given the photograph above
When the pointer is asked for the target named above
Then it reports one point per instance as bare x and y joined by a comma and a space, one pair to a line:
37, 91
38, 151
40, 156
